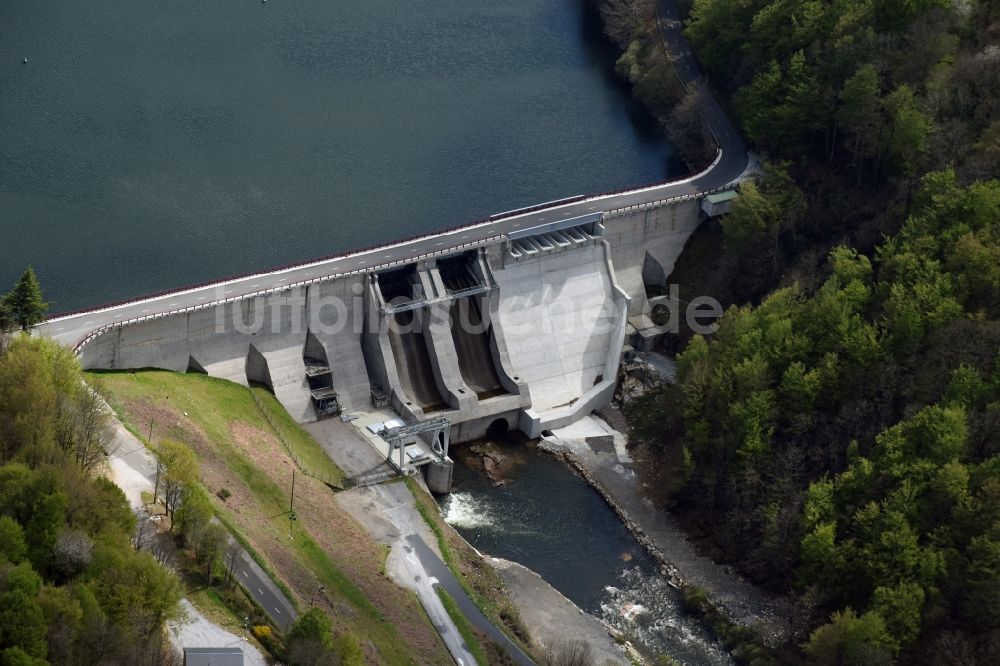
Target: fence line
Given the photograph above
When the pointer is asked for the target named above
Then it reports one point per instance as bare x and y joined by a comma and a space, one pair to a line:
324, 478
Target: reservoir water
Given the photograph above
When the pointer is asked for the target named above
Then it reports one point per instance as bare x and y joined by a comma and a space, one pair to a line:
550, 520
148, 145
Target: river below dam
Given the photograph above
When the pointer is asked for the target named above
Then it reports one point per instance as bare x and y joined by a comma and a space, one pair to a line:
547, 518
150, 145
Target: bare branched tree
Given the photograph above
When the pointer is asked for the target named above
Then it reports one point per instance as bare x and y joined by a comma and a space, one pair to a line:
71, 554
569, 653
623, 19
94, 432
84, 427
689, 131
145, 530
232, 559
160, 552
154, 650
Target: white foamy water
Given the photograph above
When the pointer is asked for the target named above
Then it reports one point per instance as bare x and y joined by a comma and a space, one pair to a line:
646, 608
549, 519
464, 510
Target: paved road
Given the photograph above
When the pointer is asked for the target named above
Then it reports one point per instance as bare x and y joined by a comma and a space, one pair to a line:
197, 631
71, 330
446, 579
388, 513
423, 584
731, 161
263, 590
672, 32
134, 470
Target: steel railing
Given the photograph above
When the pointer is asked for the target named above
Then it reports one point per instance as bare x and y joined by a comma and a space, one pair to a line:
377, 247
614, 212
274, 290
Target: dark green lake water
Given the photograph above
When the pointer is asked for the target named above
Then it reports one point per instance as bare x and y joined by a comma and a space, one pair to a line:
148, 145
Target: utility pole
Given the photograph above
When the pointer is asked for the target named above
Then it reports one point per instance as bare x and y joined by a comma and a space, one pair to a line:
291, 507
156, 481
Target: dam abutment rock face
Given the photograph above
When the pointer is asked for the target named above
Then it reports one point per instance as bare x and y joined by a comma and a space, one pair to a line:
525, 329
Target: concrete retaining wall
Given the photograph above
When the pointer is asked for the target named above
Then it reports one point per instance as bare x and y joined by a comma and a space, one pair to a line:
219, 341
558, 326
339, 331
662, 232
559, 315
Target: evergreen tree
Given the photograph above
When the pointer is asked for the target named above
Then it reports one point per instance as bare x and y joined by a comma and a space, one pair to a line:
24, 304
6, 319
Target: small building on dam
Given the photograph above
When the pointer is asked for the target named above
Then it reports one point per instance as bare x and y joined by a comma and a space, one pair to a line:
523, 330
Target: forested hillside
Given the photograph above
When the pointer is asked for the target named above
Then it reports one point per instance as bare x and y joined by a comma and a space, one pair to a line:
837, 438
855, 100
73, 589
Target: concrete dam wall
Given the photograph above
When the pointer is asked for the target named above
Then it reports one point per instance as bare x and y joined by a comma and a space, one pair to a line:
524, 331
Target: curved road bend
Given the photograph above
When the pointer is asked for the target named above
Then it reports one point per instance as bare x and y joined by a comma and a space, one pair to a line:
731, 161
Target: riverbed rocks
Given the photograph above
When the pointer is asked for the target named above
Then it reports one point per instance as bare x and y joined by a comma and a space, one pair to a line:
610, 474
552, 619
495, 462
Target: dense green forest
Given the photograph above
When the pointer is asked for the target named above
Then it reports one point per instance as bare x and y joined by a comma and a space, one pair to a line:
837, 438
855, 101
73, 588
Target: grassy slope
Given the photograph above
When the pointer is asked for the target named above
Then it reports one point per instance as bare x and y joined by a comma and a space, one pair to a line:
479, 580
463, 626
308, 455
238, 450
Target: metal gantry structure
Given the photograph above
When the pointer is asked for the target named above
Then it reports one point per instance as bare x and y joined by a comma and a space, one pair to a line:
435, 432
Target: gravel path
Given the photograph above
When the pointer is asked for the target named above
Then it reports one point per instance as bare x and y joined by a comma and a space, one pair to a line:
198, 631
551, 618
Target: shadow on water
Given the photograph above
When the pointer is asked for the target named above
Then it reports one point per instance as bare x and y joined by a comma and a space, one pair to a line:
192, 140
538, 512
602, 55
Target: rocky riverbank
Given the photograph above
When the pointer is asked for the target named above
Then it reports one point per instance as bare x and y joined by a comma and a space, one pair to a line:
546, 517
598, 453
556, 623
